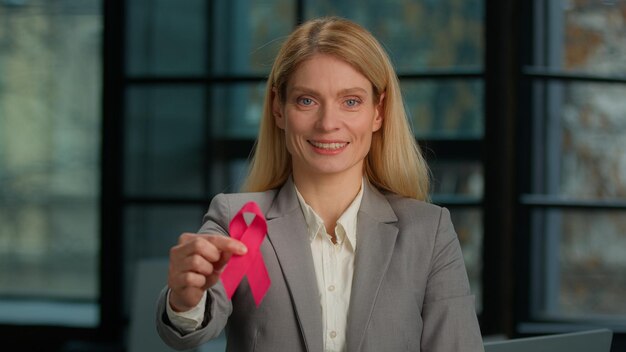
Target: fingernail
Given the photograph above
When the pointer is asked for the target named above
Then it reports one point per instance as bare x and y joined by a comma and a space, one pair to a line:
243, 249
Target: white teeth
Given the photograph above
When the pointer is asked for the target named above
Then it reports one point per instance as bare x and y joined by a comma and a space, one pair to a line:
330, 146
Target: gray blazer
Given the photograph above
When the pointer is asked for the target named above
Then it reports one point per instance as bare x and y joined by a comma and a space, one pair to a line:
410, 290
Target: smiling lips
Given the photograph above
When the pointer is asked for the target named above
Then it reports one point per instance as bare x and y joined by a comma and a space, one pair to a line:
328, 147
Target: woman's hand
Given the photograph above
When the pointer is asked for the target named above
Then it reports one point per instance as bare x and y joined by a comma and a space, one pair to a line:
195, 265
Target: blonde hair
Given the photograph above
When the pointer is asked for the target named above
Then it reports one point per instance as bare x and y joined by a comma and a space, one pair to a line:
394, 162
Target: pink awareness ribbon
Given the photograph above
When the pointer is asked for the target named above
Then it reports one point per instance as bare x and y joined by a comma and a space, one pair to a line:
251, 263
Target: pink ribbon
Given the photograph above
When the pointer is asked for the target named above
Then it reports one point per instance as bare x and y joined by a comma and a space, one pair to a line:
251, 263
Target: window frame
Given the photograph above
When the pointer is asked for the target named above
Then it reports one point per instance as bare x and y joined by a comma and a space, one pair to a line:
52, 336
538, 19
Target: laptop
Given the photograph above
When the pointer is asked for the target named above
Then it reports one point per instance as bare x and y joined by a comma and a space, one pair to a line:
584, 341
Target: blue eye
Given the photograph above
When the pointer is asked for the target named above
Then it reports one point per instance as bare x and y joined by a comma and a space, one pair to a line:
305, 101
351, 103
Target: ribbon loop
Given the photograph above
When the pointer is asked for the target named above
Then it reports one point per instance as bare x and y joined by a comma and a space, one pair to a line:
250, 264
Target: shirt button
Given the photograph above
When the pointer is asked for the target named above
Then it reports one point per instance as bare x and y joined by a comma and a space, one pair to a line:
331, 288
333, 334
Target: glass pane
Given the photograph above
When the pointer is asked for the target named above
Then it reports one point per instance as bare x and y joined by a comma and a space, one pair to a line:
165, 137
247, 34
457, 180
237, 110
443, 34
50, 245
584, 139
166, 37
228, 176
50, 91
445, 109
586, 36
582, 273
150, 232
469, 228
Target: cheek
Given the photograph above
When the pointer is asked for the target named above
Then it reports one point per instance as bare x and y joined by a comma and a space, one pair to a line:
367, 130
367, 142
293, 135
296, 124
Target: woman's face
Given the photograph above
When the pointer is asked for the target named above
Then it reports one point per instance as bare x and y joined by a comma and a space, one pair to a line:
328, 115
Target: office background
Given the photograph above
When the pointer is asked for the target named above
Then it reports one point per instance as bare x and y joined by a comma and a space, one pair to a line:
119, 120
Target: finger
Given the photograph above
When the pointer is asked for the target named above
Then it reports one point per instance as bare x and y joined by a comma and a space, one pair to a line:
219, 265
177, 273
186, 237
187, 280
197, 264
211, 280
190, 244
227, 244
221, 242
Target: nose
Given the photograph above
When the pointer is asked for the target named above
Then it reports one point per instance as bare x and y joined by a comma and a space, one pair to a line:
327, 119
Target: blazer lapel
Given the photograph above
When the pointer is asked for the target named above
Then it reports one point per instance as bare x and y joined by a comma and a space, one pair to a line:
288, 234
376, 238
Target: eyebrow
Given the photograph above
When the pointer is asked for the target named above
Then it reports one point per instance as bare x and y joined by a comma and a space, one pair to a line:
346, 91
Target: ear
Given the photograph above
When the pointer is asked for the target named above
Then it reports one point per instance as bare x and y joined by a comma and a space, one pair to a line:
277, 109
379, 113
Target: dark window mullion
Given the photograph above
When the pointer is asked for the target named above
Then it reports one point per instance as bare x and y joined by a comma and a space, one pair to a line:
300, 12
452, 149
166, 200
443, 74
501, 68
112, 320
551, 74
550, 201
457, 201
206, 80
208, 101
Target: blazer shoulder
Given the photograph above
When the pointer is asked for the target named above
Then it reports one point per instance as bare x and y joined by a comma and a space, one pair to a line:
416, 213
402, 205
234, 201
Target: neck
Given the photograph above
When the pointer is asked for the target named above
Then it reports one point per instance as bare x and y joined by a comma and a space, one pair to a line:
328, 196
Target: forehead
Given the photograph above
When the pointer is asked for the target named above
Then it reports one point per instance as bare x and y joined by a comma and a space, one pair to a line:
327, 73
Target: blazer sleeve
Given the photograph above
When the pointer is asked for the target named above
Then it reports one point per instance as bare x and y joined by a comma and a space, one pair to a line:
449, 313
218, 307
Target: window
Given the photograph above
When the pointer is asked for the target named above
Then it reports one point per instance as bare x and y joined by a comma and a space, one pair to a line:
574, 195
49, 162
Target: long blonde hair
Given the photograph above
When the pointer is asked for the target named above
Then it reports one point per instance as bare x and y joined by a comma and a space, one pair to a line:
394, 162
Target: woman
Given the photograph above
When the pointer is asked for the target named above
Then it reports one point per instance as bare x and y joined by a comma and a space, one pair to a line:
358, 260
